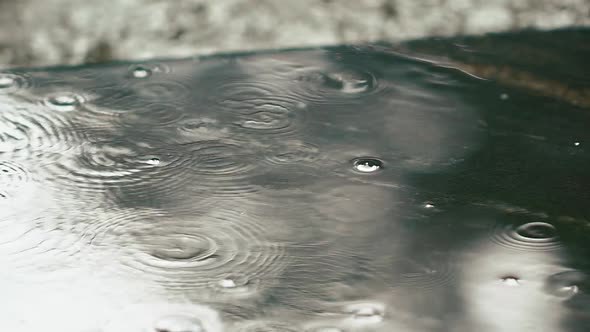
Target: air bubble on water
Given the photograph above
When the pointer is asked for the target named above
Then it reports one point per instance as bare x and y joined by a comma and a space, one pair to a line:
367, 165
64, 102
178, 324
511, 281
504, 96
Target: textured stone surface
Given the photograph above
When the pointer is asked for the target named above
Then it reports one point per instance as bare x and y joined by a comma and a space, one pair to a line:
47, 32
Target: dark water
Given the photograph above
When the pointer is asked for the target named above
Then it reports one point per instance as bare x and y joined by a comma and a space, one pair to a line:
333, 190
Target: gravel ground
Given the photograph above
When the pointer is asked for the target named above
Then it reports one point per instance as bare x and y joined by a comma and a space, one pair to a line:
49, 32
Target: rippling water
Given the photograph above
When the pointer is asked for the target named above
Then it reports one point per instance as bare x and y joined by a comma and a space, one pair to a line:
331, 190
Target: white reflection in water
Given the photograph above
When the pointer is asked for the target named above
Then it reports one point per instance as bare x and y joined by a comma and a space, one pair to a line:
503, 290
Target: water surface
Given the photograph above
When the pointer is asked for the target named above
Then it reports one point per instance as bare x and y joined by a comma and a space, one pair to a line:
329, 190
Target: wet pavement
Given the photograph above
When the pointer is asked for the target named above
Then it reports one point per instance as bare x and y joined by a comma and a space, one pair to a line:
440, 185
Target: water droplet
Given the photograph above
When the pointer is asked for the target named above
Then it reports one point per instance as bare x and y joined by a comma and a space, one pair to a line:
537, 230
6, 81
504, 96
65, 102
567, 284
140, 72
178, 324
510, 281
367, 165
576, 143
348, 83
227, 283
153, 161
429, 205
235, 284
367, 313
233, 281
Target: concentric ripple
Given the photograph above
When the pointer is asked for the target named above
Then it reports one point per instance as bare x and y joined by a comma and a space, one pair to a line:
293, 152
224, 168
64, 102
13, 177
13, 82
139, 167
430, 273
267, 326
342, 86
267, 118
161, 91
258, 108
152, 115
535, 236
144, 84
12, 174
165, 317
190, 252
26, 131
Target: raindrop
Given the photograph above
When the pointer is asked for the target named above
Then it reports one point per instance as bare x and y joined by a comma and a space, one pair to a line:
429, 205
348, 83
504, 96
141, 72
566, 284
154, 161
6, 81
340, 86
227, 283
65, 102
576, 143
510, 281
178, 324
367, 165
235, 283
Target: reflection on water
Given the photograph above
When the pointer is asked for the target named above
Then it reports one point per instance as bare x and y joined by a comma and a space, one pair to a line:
333, 190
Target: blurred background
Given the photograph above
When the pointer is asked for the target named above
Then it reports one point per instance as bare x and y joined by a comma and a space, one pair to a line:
49, 32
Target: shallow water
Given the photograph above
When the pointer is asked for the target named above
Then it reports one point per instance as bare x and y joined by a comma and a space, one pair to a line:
330, 190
